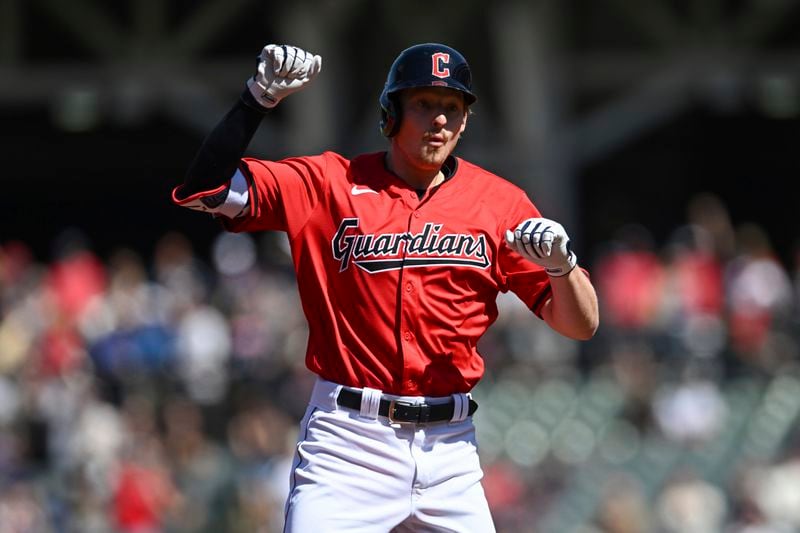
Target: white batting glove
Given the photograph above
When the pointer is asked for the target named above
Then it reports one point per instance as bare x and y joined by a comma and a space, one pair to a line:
282, 70
545, 243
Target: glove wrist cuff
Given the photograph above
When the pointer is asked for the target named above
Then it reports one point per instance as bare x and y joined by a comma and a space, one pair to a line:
250, 102
557, 272
261, 95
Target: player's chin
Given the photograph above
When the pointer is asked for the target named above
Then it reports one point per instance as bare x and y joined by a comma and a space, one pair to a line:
434, 155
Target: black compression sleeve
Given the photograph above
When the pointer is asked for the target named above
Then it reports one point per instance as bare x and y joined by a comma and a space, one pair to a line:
216, 161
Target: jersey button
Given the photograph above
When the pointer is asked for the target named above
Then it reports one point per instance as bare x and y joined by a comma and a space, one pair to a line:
407, 335
416, 214
409, 287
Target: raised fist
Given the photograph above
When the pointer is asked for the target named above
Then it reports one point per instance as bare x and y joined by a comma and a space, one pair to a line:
282, 70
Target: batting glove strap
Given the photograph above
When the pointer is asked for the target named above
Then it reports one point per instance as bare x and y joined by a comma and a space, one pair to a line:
252, 104
557, 272
282, 70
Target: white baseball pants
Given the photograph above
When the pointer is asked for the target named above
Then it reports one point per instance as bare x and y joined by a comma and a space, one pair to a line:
357, 472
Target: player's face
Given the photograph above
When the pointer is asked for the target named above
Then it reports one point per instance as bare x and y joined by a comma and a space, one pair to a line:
433, 119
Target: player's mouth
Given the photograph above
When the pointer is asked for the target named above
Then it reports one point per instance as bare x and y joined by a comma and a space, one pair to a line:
435, 140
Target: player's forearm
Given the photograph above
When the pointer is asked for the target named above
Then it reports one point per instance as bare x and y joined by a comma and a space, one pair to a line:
218, 157
573, 309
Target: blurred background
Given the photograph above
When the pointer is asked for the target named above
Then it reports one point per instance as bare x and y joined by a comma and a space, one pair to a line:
151, 367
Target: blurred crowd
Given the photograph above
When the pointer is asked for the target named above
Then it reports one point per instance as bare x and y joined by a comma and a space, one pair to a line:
160, 391
682, 415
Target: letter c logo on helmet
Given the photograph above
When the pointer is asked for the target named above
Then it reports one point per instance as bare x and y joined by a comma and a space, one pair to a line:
423, 65
439, 59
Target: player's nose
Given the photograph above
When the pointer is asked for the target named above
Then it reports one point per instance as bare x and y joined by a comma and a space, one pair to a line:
440, 120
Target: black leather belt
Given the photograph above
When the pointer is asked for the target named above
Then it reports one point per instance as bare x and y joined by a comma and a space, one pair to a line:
401, 412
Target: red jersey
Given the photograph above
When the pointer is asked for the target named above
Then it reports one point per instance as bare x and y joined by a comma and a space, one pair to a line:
397, 290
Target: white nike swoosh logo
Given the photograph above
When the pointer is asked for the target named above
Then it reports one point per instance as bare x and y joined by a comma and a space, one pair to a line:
355, 191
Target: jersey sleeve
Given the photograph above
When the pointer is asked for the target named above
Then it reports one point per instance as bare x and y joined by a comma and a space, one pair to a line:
527, 280
282, 194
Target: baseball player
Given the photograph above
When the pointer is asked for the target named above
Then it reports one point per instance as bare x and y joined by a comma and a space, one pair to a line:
399, 257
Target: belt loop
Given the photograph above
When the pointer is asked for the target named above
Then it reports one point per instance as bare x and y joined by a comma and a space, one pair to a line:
370, 402
460, 407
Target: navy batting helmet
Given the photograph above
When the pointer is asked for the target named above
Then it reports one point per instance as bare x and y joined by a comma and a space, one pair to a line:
423, 65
